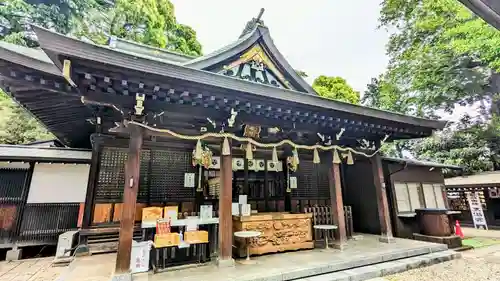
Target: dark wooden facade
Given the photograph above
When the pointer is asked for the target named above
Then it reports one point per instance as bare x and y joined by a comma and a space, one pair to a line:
24, 223
401, 171
251, 78
487, 184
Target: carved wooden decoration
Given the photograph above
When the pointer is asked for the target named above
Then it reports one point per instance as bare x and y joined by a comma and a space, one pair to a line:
280, 232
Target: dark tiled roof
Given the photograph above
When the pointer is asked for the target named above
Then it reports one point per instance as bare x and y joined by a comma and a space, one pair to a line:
489, 10
423, 163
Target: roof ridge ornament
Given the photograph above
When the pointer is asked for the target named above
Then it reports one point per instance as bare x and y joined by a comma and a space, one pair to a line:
253, 23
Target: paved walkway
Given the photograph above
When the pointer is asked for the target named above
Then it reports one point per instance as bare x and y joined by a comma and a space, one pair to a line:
100, 267
30, 270
477, 265
481, 264
472, 232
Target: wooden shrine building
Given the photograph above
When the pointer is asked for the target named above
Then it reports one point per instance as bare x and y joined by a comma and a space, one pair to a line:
153, 117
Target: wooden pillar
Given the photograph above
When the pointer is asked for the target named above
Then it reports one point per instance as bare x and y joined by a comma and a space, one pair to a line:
225, 213
88, 208
24, 200
337, 203
132, 168
382, 203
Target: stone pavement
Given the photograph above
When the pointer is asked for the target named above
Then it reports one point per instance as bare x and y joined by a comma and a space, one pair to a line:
30, 270
472, 232
287, 266
481, 264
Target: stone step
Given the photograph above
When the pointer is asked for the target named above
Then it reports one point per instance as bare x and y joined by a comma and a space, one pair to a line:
386, 268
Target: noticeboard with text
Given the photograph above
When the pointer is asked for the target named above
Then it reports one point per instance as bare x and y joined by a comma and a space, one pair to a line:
476, 210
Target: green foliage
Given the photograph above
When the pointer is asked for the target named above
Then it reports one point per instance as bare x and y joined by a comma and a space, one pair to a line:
17, 126
461, 148
335, 88
17, 15
441, 56
441, 51
149, 22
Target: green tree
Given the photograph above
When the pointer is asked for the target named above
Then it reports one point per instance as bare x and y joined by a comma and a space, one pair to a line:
149, 22
441, 56
60, 15
335, 88
458, 145
16, 125
383, 94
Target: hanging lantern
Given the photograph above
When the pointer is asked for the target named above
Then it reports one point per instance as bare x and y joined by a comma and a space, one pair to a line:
316, 159
202, 155
296, 156
350, 160
275, 155
293, 161
249, 152
226, 149
336, 158
198, 151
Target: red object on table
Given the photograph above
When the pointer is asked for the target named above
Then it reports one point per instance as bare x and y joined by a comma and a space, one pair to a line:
458, 229
162, 227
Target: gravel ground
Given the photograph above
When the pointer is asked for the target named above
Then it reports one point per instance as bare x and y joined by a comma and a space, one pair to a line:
475, 265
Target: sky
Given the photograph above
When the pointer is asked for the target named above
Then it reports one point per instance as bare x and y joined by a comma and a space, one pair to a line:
322, 37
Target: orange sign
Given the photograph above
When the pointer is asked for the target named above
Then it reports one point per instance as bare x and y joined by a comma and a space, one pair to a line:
152, 213
196, 237
166, 240
171, 212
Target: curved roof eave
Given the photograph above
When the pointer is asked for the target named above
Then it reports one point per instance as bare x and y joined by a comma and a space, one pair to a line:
242, 44
28, 57
35, 59
55, 42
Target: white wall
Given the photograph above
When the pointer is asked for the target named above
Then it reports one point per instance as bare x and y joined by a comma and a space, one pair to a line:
59, 183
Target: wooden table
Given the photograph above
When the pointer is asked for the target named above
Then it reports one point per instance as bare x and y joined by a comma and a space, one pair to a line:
325, 227
247, 235
280, 232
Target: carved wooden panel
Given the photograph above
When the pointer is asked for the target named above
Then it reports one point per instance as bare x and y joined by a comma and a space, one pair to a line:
280, 232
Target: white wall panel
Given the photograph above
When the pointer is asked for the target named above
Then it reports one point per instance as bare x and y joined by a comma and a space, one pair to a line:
59, 183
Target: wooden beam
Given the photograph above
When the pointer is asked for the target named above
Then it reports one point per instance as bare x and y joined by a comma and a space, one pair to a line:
338, 218
225, 213
382, 202
132, 169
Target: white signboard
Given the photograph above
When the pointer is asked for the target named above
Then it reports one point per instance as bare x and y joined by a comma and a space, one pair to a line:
293, 182
242, 199
476, 210
206, 212
189, 180
235, 209
494, 192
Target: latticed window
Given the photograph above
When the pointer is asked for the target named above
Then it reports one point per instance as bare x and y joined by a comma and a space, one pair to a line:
433, 194
411, 196
408, 196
